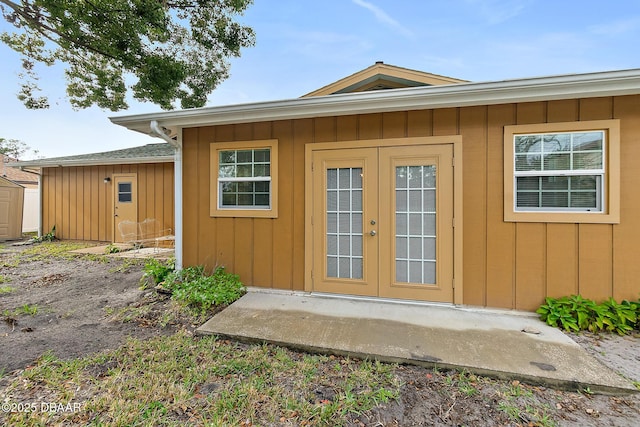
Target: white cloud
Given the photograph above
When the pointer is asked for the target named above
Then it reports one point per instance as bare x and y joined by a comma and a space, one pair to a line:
384, 17
615, 28
498, 11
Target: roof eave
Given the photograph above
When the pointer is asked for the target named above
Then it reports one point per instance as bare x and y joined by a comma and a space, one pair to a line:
44, 163
591, 85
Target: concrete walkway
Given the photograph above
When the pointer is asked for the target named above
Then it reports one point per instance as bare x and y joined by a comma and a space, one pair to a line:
504, 344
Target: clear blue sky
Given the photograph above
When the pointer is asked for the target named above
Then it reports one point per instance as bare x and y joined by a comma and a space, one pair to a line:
305, 44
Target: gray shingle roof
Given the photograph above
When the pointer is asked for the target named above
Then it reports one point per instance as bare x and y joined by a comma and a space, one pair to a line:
150, 153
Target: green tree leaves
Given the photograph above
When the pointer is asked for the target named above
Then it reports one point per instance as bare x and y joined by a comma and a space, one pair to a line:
162, 51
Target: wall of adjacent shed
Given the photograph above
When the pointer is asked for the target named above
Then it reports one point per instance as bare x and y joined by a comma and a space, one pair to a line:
507, 265
11, 206
78, 202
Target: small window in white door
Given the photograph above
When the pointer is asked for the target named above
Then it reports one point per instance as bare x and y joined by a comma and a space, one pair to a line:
125, 192
344, 223
416, 224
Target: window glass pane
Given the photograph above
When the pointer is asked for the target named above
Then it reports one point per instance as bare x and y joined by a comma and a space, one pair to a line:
229, 199
586, 199
244, 171
401, 177
124, 197
402, 247
528, 162
262, 200
262, 186
429, 200
555, 182
430, 177
584, 182
555, 200
227, 157
356, 245
557, 161
245, 156
430, 272
261, 156
401, 200
528, 144
401, 223
227, 172
245, 200
588, 141
356, 178
245, 187
402, 270
592, 160
344, 178
527, 200
332, 179
415, 201
415, 177
124, 187
528, 183
557, 142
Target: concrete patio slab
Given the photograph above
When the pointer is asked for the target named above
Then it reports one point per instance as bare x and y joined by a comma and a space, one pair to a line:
503, 344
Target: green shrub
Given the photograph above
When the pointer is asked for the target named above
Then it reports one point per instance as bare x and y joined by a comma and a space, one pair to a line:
157, 271
49, 237
194, 287
574, 313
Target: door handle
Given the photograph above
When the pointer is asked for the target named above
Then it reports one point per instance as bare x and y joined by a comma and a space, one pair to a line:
372, 232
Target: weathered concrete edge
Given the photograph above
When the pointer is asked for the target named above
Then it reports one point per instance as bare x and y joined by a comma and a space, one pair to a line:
568, 385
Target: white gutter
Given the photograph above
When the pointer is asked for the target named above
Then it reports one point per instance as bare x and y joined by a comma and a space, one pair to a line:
590, 85
44, 163
177, 189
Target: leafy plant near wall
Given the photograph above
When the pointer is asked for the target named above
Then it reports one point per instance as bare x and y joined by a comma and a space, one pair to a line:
194, 287
156, 271
49, 237
574, 313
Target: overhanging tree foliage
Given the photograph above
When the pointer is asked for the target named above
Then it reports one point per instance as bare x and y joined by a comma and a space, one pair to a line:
173, 50
14, 148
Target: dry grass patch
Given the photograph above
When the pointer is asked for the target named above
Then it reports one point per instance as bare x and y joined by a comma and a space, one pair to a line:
179, 379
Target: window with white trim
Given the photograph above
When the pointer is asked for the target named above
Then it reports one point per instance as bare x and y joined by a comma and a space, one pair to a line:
562, 172
244, 179
559, 171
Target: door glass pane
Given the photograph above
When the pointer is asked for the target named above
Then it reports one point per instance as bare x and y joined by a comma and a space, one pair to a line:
415, 232
344, 223
124, 192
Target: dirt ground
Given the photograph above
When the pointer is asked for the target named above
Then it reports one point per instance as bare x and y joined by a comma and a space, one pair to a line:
76, 301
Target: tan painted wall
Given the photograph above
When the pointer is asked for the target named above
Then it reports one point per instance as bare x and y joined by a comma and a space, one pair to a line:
11, 205
506, 264
80, 204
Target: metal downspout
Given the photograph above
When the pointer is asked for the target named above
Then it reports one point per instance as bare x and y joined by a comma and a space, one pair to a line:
177, 191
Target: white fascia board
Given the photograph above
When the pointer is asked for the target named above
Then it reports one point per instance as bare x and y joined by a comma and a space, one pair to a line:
45, 163
591, 85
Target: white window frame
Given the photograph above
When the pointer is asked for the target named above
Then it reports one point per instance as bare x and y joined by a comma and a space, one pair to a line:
608, 211
216, 181
600, 173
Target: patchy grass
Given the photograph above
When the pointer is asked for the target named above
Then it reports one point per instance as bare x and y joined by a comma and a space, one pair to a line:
42, 252
26, 309
180, 380
6, 289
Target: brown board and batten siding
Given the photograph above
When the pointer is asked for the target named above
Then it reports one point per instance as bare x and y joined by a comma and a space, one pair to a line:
80, 204
506, 264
